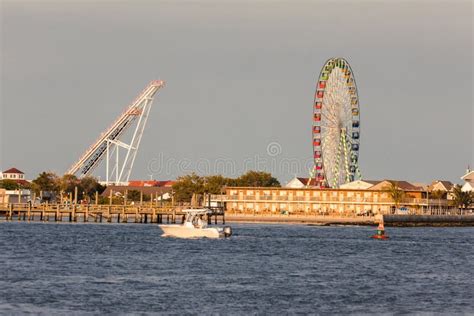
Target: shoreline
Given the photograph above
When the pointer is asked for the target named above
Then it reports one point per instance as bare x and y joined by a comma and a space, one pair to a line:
301, 220
389, 220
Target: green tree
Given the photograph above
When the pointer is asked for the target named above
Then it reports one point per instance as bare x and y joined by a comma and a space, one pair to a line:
46, 182
68, 183
214, 184
133, 195
437, 195
89, 186
257, 179
396, 193
185, 186
462, 199
8, 184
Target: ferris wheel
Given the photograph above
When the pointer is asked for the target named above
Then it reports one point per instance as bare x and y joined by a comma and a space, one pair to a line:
336, 126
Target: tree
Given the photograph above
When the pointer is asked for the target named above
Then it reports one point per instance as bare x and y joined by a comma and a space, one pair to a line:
185, 186
214, 184
133, 195
46, 182
257, 179
8, 184
68, 183
89, 186
437, 194
396, 194
462, 199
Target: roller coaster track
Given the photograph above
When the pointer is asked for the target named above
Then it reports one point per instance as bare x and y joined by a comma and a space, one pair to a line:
111, 140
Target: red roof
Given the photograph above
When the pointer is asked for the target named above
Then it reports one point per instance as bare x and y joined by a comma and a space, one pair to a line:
404, 185
150, 183
313, 181
169, 183
143, 183
13, 170
21, 182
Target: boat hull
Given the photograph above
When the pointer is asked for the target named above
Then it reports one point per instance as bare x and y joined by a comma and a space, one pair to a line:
379, 237
182, 231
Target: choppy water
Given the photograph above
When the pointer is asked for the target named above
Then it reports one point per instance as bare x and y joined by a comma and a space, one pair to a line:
266, 269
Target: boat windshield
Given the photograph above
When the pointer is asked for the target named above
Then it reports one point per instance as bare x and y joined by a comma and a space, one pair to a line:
194, 214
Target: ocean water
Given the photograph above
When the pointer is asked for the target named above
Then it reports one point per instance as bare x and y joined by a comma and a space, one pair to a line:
63, 268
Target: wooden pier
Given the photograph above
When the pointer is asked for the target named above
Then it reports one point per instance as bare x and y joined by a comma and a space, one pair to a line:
102, 213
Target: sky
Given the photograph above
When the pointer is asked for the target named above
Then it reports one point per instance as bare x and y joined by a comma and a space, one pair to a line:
240, 79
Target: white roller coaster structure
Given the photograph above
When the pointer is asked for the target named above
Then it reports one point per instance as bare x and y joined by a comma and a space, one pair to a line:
112, 139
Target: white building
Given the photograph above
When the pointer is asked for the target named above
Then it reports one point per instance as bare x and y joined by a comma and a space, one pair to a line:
359, 184
469, 179
19, 195
13, 174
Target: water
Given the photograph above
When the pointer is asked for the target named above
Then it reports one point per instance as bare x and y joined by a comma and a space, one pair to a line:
53, 268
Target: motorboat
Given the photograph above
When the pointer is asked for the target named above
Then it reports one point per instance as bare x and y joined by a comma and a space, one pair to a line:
195, 227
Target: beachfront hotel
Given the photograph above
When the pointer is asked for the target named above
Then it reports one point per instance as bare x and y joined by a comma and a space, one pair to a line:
358, 197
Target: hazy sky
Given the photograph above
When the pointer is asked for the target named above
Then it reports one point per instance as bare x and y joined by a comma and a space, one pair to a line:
240, 79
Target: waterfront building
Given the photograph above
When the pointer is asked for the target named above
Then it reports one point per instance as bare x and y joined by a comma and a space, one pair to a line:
375, 199
442, 186
13, 174
409, 188
20, 195
15, 196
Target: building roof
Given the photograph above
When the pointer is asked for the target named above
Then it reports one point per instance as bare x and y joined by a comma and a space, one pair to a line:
448, 185
13, 170
143, 183
374, 182
313, 181
21, 182
467, 187
359, 184
421, 185
404, 185
167, 183
468, 176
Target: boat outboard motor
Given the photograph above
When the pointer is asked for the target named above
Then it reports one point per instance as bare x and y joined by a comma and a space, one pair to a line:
227, 231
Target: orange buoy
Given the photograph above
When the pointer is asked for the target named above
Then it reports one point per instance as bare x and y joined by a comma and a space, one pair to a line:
380, 232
